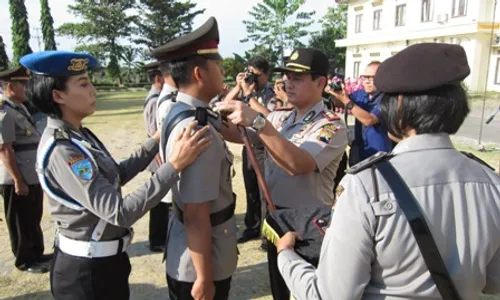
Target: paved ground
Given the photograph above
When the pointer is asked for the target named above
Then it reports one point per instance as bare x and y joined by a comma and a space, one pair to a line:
472, 124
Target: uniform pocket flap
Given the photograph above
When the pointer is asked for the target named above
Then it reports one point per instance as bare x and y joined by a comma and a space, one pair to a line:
385, 207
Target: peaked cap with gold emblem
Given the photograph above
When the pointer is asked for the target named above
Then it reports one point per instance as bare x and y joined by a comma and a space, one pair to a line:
306, 60
18, 73
59, 63
203, 41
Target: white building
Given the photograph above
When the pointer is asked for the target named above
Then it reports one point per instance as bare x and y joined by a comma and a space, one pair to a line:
377, 29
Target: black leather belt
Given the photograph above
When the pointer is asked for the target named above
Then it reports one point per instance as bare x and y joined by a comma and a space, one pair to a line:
24, 147
216, 218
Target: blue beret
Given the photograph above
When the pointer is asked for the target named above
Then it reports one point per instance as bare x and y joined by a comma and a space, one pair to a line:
58, 63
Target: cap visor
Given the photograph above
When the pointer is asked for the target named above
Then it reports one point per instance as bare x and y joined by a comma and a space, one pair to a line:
290, 70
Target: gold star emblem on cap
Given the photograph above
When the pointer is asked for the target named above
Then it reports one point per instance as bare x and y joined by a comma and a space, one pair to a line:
294, 55
78, 64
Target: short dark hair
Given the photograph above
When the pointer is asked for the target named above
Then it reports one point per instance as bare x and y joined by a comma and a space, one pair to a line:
39, 91
153, 74
260, 63
440, 110
181, 71
164, 68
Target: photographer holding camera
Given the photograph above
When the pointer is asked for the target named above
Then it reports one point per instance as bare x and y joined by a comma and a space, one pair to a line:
370, 136
253, 88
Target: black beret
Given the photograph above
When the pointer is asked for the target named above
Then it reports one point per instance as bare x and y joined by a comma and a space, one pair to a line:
18, 73
203, 41
422, 67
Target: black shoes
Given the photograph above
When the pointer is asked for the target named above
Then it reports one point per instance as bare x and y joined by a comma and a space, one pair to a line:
156, 249
248, 236
45, 258
35, 268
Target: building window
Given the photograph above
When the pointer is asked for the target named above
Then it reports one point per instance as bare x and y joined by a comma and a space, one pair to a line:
355, 71
459, 8
497, 69
359, 21
401, 15
426, 11
376, 19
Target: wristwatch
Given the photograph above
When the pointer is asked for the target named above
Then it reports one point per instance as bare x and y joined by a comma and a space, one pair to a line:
349, 105
259, 122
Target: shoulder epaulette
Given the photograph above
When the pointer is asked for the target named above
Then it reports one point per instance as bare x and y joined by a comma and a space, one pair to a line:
284, 109
61, 134
370, 161
330, 115
473, 157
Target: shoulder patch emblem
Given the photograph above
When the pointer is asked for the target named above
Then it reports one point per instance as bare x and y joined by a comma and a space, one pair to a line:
82, 167
330, 127
325, 135
339, 191
330, 115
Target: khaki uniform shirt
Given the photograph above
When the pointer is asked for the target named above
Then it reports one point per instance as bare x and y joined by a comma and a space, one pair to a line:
370, 252
208, 179
18, 128
150, 120
324, 136
97, 188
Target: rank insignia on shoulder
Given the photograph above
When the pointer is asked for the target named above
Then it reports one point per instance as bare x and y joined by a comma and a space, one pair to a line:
370, 161
283, 109
330, 115
339, 190
82, 167
325, 135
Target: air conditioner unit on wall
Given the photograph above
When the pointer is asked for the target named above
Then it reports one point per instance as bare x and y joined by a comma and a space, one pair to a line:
442, 18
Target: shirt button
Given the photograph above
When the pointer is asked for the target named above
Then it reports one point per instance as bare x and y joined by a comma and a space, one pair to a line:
225, 230
388, 206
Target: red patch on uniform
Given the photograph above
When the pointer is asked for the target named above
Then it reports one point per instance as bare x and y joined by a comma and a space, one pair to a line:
330, 115
284, 109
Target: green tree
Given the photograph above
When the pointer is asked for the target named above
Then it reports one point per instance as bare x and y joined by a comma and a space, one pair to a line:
4, 60
232, 67
162, 21
20, 30
105, 22
334, 27
128, 55
47, 26
273, 57
278, 24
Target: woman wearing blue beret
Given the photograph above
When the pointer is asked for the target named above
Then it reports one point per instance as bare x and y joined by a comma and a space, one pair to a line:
83, 181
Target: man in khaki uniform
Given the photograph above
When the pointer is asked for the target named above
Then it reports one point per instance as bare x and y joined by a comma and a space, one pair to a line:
201, 243
370, 250
304, 145
19, 186
158, 215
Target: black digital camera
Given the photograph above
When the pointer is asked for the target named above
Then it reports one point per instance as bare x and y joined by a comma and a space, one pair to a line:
251, 78
336, 86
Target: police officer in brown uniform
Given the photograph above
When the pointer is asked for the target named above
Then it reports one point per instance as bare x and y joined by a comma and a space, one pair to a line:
158, 215
201, 242
19, 186
304, 144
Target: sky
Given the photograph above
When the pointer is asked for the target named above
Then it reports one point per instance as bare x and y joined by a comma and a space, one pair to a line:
229, 15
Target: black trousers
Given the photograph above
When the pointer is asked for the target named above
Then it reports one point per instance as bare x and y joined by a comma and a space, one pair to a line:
179, 290
23, 215
158, 224
80, 278
253, 214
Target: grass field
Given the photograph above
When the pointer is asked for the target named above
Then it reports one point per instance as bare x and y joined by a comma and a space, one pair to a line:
118, 122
